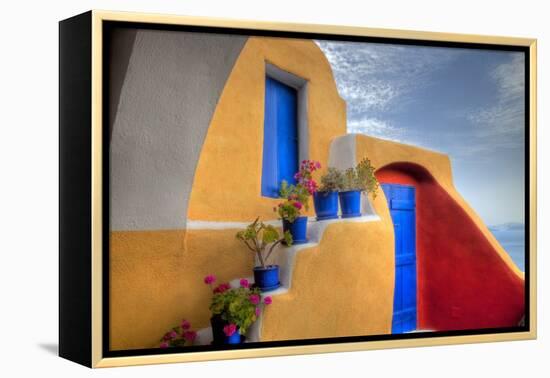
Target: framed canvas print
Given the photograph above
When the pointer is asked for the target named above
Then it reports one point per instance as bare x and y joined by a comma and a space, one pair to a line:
235, 189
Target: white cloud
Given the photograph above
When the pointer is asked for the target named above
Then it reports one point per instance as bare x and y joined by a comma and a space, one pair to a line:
373, 126
370, 95
374, 77
510, 78
378, 128
502, 124
499, 119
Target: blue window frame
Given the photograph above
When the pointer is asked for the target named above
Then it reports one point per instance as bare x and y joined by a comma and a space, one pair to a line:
280, 147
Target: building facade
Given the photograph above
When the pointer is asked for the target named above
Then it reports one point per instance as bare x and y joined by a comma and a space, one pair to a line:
195, 117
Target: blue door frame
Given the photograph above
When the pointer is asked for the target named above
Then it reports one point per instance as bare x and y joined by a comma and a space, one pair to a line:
402, 204
280, 147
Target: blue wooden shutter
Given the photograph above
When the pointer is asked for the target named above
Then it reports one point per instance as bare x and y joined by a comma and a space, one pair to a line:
280, 147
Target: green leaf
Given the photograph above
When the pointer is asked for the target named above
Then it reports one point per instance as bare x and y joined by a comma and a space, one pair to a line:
288, 238
270, 234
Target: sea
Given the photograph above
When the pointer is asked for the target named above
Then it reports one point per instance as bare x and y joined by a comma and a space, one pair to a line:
511, 237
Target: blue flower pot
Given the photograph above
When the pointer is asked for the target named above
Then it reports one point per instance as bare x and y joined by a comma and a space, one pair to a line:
326, 205
267, 278
297, 229
235, 338
350, 203
218, 335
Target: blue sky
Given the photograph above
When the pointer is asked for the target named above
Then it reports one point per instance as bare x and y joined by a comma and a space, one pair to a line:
466, 103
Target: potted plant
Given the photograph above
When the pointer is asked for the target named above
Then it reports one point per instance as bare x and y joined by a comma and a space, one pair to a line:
326, 198
262, 240
179, 336
356, 180
296, 197
234, 310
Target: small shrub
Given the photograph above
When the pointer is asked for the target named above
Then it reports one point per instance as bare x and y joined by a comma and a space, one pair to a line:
332, 180
361, 178
260, 237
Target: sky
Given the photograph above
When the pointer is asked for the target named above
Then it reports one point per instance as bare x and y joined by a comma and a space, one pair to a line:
466, 103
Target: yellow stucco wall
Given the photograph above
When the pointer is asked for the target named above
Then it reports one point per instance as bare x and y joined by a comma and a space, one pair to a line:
228, 175
342, 287
382, 152
156, 279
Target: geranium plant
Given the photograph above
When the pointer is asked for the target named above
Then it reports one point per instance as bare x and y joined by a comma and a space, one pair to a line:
238, 307
262, 239
296, 196
361, 178
179, 336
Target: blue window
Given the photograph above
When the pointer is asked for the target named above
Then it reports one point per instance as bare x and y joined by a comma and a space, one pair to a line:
280, 148
401, 201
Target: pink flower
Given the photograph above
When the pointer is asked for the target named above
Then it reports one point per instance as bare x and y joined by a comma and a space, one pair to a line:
258, 311
185, 324
317, 165
209, 279
254, 299
164, 344
222, 288
268, 300
229, 329
297, 205
311, 186
190, 335
244, 282
170, 336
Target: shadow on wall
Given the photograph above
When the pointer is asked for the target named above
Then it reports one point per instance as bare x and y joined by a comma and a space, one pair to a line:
122, 43
463, 282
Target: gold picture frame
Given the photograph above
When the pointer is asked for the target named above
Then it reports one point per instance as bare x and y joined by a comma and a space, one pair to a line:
94, 265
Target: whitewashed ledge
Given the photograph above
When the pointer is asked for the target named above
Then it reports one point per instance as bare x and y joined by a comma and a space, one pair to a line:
214, 225
285, 257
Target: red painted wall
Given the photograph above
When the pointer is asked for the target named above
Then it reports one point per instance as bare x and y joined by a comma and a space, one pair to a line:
462, 281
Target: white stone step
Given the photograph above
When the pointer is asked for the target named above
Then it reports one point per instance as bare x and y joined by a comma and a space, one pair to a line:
421, 330
285, 257
204, 336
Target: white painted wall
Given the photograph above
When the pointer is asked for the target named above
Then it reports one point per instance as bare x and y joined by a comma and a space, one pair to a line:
167, 97
342, 152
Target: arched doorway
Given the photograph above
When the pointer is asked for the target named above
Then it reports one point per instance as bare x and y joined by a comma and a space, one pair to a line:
461, 280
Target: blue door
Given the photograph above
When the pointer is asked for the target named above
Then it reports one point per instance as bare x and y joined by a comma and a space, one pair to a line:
402, 203
280, 147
